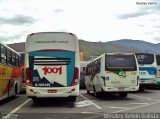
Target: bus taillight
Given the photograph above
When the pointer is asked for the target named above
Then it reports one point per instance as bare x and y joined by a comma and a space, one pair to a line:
28, 78
76, 77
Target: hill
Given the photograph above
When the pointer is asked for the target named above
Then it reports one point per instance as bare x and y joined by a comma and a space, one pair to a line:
139, 45
98, 48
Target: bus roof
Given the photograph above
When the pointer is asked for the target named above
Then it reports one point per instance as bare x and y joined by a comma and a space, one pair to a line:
41, 41
143, 53
10, 48
50, 32
113, 53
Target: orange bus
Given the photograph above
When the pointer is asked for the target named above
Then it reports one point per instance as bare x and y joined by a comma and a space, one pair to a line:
10, 72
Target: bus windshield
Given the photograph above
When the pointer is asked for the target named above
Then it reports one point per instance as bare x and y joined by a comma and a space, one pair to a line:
120, 62
158, 59
145, 58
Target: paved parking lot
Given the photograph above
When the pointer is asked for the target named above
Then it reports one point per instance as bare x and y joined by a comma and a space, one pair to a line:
86, 106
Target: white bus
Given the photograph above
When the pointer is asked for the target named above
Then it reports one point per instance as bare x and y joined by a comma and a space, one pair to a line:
158, 69
52, 65
113, 72
147, 69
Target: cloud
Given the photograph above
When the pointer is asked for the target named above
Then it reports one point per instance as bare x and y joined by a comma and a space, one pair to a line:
9, 38
14, 37
141, 25
157, 39
141, 11
17, 20
58, 10
157, 26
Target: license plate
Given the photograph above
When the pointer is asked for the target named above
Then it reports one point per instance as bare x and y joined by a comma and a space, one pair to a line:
121, 88
52, 91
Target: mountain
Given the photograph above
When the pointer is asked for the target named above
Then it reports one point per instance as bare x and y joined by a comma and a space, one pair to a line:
139, 45
98, 48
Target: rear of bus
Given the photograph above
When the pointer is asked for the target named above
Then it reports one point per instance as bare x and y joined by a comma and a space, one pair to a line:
158, 69
121, 73
147, 69
52, 65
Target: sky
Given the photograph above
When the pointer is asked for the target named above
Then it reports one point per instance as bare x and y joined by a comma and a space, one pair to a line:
90, 20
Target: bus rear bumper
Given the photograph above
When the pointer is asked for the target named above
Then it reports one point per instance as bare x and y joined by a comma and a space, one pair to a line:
148, 82
41, 92
121, 89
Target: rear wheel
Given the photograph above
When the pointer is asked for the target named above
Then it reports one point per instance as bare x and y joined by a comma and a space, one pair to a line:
15, 92
72, 99
123, 94
88, 92
96, 94
35, 100
141, 88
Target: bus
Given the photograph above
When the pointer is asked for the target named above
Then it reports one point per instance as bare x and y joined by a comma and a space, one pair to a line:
113, 73
158, 69
83, 65
147, 69
10, 72
52, 65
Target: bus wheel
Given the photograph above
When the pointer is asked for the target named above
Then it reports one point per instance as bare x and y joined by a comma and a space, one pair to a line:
123, 94
35, 100
96, 94
141, 89
72, 99
15, 92
88, 92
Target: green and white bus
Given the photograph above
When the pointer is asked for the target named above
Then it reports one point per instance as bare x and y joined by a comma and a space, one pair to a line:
114, 73
147, 69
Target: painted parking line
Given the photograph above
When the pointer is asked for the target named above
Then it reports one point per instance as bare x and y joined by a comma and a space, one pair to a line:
15, 110
141, 97
83, 103
20, 106
94, 104
119, 107
139, 103
101, 115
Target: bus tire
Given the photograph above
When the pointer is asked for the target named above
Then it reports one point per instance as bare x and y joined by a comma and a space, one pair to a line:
15, 92
88, 92
123, 94
96, 94
35, 100
141, 88
72, 98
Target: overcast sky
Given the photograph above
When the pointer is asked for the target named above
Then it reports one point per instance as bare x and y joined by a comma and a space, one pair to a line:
90, 20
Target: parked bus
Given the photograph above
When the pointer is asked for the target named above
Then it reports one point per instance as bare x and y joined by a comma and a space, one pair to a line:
114, 73
158, 69
10, 72
83, 65
52, 65
147, 69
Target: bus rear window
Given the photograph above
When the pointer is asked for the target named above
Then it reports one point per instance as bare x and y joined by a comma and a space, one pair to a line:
145, 58
158, 59
120, 62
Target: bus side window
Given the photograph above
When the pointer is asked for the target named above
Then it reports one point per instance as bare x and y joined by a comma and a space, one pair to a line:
13, 59
9, 57
98, 66
3, 55
17, 60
